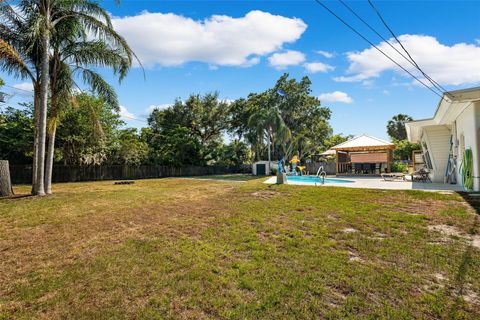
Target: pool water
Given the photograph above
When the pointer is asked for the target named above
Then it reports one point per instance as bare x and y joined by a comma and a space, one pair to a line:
315, 179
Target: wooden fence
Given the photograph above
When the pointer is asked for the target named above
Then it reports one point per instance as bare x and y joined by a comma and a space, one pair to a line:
328, 167
22, 174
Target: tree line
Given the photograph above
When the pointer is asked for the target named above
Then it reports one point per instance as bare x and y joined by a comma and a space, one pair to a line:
200, 130
56, 44
59, 45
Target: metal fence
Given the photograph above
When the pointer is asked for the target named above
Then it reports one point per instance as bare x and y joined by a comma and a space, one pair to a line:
22, 174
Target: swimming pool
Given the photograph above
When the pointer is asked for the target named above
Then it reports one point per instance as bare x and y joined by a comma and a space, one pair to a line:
315, 180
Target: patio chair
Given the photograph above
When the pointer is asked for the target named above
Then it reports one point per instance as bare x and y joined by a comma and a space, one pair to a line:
421, 175
392, 176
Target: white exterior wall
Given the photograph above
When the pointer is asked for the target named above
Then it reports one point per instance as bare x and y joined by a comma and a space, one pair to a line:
438, 143
268, 167
467, 133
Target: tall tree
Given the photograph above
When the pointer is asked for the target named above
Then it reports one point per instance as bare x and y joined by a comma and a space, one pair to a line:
267, 124
19, 56
396, 126
16, 135
30, 34
195, 125
301, 113
75, 53
87, 131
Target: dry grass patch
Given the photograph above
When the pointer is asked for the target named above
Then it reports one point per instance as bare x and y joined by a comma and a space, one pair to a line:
202, 249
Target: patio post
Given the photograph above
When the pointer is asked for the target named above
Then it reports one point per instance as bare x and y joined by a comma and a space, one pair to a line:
336, 162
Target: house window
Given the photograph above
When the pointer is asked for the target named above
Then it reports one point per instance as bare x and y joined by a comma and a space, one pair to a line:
426, 156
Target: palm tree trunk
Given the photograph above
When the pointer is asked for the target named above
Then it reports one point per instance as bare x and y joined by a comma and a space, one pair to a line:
35, 139
50, 156
268, 146
42, 115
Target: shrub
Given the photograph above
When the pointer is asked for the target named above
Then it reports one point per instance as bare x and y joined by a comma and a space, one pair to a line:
399, 166
273, 171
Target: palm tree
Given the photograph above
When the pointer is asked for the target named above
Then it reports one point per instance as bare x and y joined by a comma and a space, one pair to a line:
31, 34
396, 126
82, 55
18, 57
268, 124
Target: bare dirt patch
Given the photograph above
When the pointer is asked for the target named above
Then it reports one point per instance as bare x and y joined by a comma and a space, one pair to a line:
265, 194
451, 231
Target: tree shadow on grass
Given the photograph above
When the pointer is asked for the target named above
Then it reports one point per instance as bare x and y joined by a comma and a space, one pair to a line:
17, 196
458, 290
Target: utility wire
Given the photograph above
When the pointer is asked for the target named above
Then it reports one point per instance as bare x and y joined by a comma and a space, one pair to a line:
377, 48
409, 58
435, 83
15, 88
132, 118
123, 116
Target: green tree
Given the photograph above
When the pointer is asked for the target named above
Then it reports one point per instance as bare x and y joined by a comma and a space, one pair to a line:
199, 122
267, 124
396, 126
235, 154
173, 146
128, 148
87, 131
27, 40
76, 55
301, 113
16, 135
403, 149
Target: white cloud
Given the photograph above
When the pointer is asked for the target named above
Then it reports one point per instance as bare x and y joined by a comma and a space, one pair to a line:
125, 114
282, 60
449, 65
477, 40
152, 107
326, 54
228, 101
336, 96
23, 88
314, 67
168, 39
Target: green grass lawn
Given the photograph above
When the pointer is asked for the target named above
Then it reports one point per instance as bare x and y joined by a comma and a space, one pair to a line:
228, 177
205, 249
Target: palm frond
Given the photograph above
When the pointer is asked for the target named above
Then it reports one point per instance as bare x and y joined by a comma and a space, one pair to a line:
100, 86
11, 61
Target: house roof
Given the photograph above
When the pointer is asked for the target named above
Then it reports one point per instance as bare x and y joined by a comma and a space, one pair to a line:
451, 105
364, 142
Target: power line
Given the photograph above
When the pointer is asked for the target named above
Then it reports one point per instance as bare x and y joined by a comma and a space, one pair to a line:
409, 58
15, 88
377, 48
132, 118
435, 83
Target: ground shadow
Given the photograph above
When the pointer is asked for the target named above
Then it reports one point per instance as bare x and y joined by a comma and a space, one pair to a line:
473, 200
17, 196
458, 287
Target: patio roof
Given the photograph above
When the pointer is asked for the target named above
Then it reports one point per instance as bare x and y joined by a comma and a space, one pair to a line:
330, 152
364, 143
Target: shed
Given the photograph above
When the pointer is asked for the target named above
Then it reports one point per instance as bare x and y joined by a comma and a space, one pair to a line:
263, 168
364, 155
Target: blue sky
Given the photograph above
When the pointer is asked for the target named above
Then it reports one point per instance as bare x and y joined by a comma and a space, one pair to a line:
238, 47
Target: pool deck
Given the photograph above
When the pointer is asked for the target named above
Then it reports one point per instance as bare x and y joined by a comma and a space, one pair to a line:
379, 183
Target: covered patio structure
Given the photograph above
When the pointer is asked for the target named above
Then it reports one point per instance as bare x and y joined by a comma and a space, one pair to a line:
364, 155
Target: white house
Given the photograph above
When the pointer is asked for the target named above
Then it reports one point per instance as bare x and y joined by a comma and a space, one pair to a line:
454, 128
